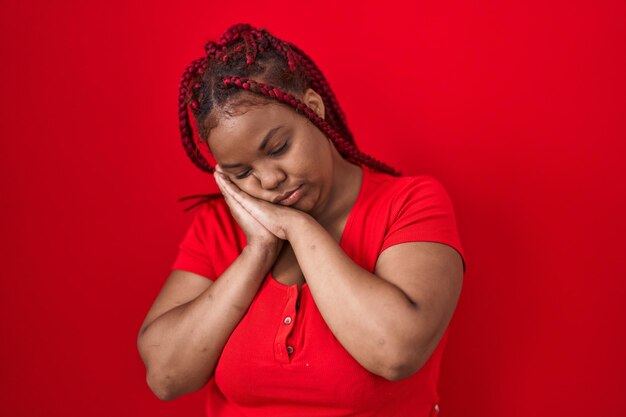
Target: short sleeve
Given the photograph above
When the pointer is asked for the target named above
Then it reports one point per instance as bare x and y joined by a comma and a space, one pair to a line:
423, 213
194, 251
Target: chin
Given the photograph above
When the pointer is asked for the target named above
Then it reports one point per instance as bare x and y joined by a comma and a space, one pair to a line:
299, 207
306, 205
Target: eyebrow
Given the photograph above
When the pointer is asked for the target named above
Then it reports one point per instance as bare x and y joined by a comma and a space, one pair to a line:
264, 142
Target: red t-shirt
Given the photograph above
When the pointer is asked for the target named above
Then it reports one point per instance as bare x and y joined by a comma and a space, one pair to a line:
269, 368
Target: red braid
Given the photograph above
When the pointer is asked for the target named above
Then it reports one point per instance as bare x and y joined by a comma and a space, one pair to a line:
231, 66
197, 67
344, 147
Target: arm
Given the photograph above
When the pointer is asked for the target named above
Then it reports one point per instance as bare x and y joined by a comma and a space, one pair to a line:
185, 332
390, 321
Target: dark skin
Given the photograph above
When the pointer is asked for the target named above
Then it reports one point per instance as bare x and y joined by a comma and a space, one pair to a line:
330, 183
391, 320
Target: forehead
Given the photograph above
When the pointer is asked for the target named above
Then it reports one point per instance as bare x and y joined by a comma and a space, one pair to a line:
238, 135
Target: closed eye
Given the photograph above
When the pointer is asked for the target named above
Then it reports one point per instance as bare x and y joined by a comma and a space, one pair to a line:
277, 152
242, 176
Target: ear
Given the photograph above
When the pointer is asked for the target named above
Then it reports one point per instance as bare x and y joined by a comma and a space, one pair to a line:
314, 101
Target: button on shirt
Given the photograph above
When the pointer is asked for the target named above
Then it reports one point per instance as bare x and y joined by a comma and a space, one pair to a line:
282, 359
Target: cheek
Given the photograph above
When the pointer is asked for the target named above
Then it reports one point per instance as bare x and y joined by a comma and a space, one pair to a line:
315, 161
246, 188
254, 193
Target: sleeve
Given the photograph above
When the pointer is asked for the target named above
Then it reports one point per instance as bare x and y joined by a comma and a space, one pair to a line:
194, 251
424, 212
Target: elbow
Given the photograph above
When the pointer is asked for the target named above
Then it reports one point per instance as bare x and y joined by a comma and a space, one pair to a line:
168, 385
411, 353
404, 364
161, 386
157, 384
158, 388
400, 371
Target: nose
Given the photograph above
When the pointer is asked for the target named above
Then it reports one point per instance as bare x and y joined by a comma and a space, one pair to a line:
271, 177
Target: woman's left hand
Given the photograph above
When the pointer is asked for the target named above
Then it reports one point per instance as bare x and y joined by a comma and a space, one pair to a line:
274, 217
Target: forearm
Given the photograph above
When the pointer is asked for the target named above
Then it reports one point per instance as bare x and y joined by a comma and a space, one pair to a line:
181, 348
361, 309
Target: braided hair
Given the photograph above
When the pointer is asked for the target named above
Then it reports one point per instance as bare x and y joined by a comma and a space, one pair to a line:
249, 66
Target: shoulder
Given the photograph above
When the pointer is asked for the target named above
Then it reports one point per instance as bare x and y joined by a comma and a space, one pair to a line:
211, 221
423, 183
212, 210
414, 190
420, 210
424, 196
213, 240
425, 188
213, 202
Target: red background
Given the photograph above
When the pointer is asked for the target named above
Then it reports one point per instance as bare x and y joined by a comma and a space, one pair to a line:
516, 107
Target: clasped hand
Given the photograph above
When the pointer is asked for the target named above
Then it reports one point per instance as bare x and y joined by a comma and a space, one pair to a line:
277, 219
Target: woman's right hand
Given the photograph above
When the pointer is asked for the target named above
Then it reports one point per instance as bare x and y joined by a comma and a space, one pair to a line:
257, 236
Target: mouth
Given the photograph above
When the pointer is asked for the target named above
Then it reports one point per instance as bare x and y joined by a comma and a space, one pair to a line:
286, 195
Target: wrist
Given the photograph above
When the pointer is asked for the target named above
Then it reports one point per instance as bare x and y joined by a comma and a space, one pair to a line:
258, 251
295, 222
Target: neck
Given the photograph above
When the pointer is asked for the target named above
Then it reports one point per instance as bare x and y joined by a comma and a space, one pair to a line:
347, 178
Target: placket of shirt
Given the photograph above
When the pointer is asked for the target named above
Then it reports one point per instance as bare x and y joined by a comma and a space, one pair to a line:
284, 343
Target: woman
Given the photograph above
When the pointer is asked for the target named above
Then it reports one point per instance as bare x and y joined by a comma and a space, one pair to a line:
319, 282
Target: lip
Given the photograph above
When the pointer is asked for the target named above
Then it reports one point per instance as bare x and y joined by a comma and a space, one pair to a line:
285, 195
